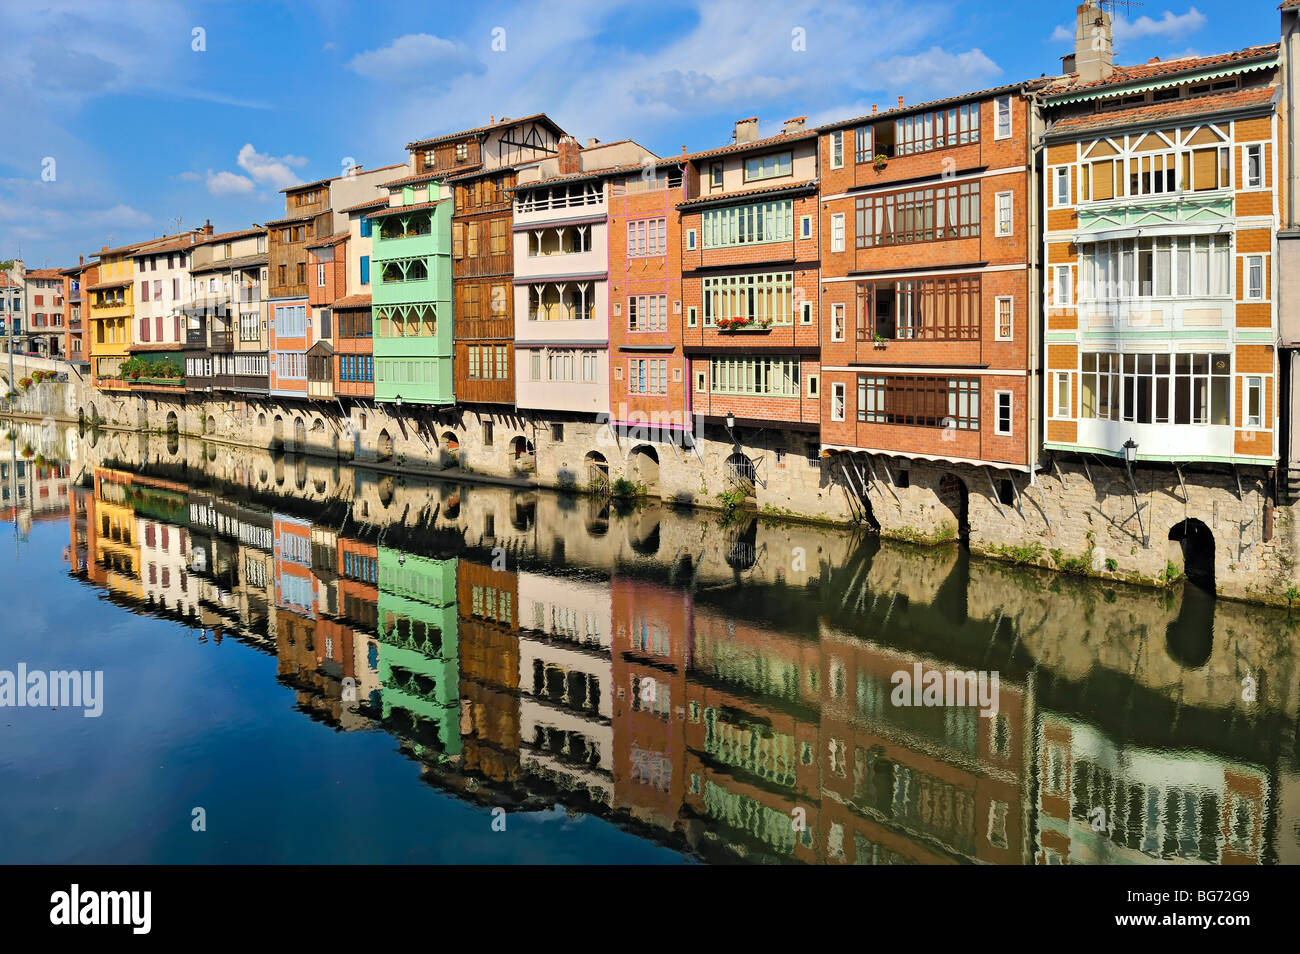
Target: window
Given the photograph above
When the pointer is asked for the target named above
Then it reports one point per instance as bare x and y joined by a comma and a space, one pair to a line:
805, 226
646, 238
1004, 319
1061, 186
1254, 167
320, 276
805, 313
776, 377
931, 309
647, 313
647, 376
771, 166
1186, 266
1186, 388
1254, 277
692, 317
919, 215
365, 227
812, 385
1061, 287
863, 141
487, 433
291, 321
924, 132
365, 269
837, 149
1062, 394
1003, 107
837, 401
920, 401
700, 383
765, 299
837, 232
837, 322
250, 326
1004, 224
690, 239
1002, 425
1254, 411
462, 151
754, 224
715, 175
557, 432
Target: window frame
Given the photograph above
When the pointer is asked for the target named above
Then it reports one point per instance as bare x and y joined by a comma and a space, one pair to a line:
999, 104
839, 392
1010, 302
998, 231
998, 397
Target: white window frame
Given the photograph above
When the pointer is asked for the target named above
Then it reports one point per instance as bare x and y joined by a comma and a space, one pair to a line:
805, 313
997, 413
837, 149
692, 317
1249, 181
997, 318
690, 240
813, 384
1249, 263
1056, 287
1061, 175
838, 319
839, 392
1252, 382
320, 276
805, 226
999, 231
999, 104
1057, 410
837, 232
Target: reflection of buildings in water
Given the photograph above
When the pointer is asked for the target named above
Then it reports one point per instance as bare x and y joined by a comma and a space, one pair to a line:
488, 601
117, 550
1105, 803
564, 679
40, 491
357, 568
81, 528
418, 651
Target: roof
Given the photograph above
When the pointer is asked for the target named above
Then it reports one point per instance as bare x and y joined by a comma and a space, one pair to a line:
116, 283
479, 130
745, 193
603, 173
334, 239
295, 218
417, 178
43, 273
172, 243
227, 236
225, 264
932, 104
368, 204
352, 301
7, 282
1252, 97
405, 208
320, 348
779, 139
1158, 69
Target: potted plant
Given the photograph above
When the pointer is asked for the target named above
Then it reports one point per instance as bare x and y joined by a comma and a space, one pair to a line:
25, 383
879, 160
878, 339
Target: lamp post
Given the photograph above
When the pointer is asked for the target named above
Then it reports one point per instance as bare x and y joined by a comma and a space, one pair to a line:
731, 423
398, 402
1130, 457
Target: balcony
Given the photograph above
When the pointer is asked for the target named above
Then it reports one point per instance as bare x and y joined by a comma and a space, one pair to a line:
222, 341
1166, 211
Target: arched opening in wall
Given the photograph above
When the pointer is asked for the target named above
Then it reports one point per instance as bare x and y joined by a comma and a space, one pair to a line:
299, 435
300, 472
597, 472
210, 425
385, 490
452, 510
1189, 636
643, 534
1197, 544
643, 467
525, 513
94, 416
261, 420
173, 424
954, 495
173, 442
277, 433
449, 442
384, 448
209, 452
279, 470
597, 520
742, 473
521, 448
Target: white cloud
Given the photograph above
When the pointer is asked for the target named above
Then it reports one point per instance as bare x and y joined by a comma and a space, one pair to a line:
1170, 26
1062, 34
270, 170
937, 70
222, 184
416, 59
189, 177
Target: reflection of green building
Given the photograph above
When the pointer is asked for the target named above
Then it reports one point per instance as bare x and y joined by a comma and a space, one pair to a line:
419, 665
411, 292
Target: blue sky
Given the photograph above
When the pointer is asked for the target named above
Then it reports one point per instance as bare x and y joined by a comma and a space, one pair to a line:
144, 129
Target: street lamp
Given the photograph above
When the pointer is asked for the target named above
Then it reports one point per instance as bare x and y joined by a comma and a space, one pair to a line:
398, 402
731, 423
1130, 457
1130, 451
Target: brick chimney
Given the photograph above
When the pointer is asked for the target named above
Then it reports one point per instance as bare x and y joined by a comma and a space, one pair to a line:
1094, 43
747, 129
569, 157
207, 227
794, 125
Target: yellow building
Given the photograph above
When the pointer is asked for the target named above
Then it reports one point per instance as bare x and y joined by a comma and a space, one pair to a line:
117, 551
111, 304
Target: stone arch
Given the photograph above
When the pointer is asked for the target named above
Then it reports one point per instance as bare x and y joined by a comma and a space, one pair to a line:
1195, 550
261, 420
596, 471
299, 435
173, 423
209, 425
384, 448
521, 448
277, 433
955, 495
643, 467
742, 472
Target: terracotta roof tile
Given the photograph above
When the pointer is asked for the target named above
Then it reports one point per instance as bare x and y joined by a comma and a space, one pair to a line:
368, 204
771, 141
43, 273
412, 180
1236, 99
745, 193
116, 283
501, 124
293, 219
931, 104
228, 236
1124, 75
352, 301
334, 239
405, 208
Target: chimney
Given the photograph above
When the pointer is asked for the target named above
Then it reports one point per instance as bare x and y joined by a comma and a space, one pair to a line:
746, 129
900, 102
570, 161
1094, 43
794, 125
593, 141
873, 109
207, 227
81, 260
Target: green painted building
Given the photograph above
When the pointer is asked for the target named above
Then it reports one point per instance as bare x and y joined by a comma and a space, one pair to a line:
411, 297
419, 659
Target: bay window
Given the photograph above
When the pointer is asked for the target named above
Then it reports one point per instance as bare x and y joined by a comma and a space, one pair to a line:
1155, 388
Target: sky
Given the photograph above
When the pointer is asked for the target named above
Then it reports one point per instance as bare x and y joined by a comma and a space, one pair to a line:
124, 120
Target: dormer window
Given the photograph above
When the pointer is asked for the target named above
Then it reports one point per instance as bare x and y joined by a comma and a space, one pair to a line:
771, 166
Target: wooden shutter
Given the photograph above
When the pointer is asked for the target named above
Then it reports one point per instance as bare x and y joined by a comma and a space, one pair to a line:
458, 240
